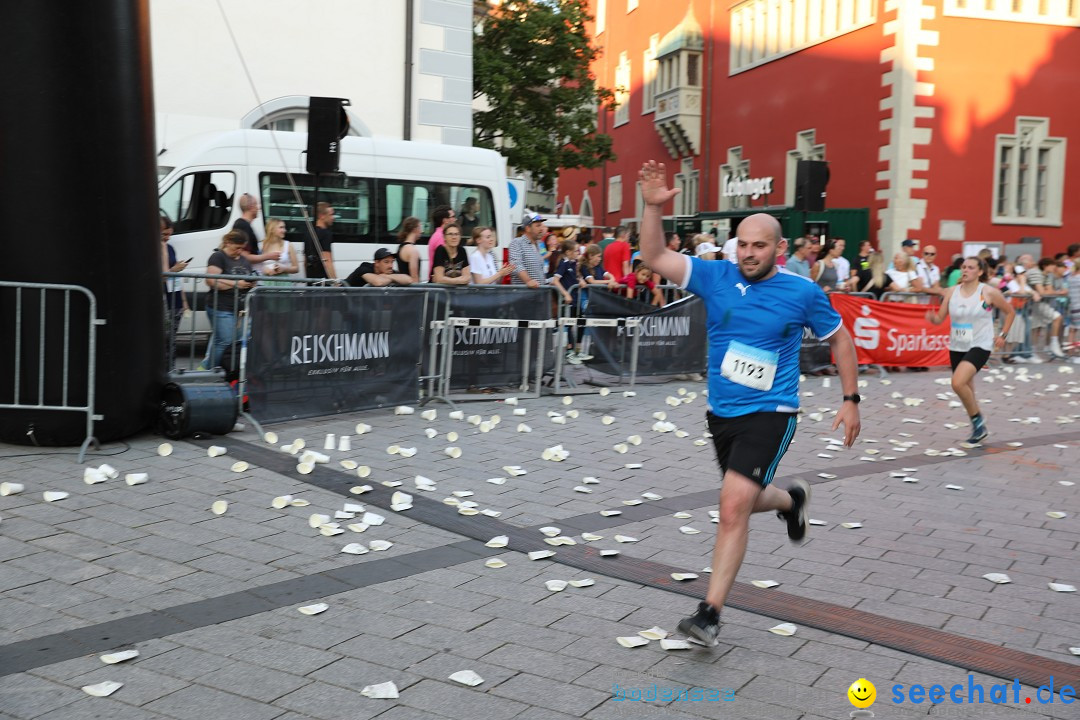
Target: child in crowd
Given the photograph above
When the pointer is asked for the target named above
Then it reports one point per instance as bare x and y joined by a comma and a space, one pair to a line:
569, 284
590, 272
640, 284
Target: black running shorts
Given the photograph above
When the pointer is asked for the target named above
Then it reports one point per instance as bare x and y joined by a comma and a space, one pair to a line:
975, 356
753, 444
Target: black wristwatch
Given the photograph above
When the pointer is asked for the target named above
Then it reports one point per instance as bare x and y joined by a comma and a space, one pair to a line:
855, 398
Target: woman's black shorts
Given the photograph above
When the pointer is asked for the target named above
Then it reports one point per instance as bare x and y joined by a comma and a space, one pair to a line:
975, 356
753, 444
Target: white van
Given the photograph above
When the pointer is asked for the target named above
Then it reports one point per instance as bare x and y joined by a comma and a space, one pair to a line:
380, 183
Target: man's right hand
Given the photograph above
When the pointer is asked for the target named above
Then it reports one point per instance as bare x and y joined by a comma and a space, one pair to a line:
654, 189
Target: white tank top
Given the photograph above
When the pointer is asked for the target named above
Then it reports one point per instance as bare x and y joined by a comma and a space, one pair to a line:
972, 321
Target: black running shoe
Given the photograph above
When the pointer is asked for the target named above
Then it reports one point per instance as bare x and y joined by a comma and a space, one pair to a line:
704, 625
796, 517
978, 434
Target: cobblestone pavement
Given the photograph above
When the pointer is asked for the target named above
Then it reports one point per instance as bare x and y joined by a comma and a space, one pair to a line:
210, 601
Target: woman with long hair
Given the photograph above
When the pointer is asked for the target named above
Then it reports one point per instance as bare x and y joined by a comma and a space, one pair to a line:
873, 279
451, 261
408, 259
275, 243
483, 266
970, 306
825, 272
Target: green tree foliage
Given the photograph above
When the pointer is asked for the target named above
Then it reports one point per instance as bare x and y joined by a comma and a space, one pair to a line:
531, 62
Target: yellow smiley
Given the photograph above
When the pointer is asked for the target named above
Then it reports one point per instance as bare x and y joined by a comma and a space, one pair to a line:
862, 693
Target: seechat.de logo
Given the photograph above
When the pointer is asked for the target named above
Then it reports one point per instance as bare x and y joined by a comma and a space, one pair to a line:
862, 694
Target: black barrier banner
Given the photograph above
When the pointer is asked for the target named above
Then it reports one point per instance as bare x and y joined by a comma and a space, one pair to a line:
673, 338
492, 356
326, 351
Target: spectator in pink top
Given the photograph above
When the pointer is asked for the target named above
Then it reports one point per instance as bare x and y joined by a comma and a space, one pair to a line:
443, 216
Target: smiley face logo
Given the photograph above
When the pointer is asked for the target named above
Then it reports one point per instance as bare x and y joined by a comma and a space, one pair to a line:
862, 693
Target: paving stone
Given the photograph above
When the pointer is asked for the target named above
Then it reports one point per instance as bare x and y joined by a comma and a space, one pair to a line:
100, 709
26, 697
141, 685
445, 699
561, 667
199, 703
184, 663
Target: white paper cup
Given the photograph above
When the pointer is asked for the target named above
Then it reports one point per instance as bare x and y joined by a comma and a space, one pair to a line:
215, 450
330, 442
108, 471
136, 478
454, 452
93, 476
456, 415
11, 488
344, 443
429, 415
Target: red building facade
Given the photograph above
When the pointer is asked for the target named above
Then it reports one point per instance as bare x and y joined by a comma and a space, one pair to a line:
952, 121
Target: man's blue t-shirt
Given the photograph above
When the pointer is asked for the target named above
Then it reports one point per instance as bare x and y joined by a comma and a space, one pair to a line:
755, 331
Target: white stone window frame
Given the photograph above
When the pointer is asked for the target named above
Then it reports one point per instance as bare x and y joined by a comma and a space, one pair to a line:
614, 194
650, 76
737, 167
586, 205
1039, 129
806, 148
688, 181
623, 86
761, 31
1062, 13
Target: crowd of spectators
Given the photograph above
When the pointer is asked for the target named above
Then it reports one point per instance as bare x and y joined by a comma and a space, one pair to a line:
573, 261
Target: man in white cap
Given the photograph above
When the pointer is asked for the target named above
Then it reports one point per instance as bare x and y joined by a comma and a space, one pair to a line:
525, 252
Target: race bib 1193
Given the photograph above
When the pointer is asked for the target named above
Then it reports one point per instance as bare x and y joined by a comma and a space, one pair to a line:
749, 366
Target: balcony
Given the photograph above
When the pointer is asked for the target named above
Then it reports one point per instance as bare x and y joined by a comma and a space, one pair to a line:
677, 120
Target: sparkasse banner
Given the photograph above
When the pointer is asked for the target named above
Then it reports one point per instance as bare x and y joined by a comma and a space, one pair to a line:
898, 334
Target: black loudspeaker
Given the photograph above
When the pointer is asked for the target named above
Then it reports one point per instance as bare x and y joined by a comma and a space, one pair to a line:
327, 124
811, 177
197, 407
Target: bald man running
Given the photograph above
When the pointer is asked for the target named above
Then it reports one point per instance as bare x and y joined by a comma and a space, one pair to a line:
756, 313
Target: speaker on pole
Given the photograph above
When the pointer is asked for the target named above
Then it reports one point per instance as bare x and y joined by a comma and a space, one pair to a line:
327, 125
811, 177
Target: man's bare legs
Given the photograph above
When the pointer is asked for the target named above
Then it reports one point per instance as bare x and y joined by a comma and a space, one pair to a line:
739, 498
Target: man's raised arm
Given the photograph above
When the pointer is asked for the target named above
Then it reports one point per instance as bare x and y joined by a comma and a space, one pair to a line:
654, 253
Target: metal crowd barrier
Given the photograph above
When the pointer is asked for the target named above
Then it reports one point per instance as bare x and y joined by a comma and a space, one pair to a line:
188, 328
1031, 315
629, 323
38, 401
534, 347
434, 312
913, 298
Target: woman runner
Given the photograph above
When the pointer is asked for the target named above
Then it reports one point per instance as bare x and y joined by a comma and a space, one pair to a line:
971, 306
